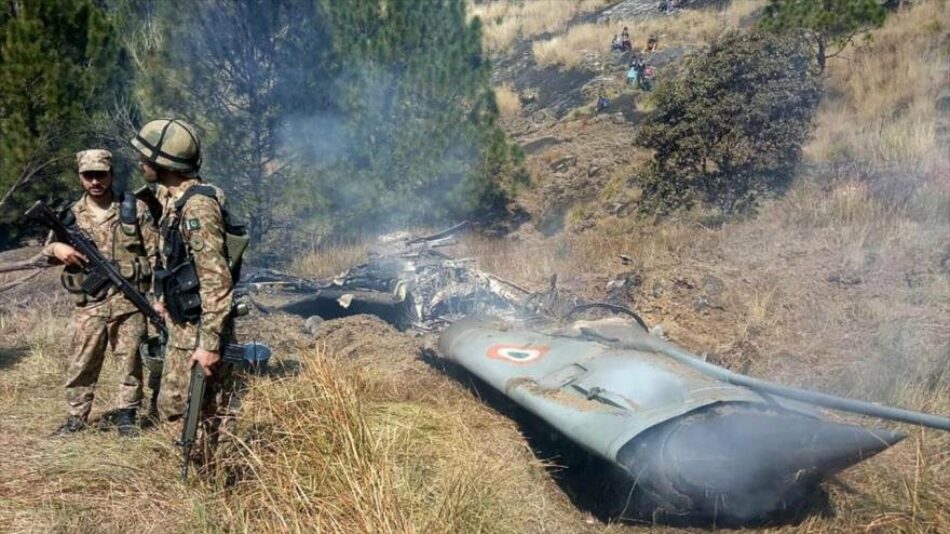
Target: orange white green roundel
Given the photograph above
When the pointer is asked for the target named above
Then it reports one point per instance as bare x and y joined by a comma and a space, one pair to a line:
520, 354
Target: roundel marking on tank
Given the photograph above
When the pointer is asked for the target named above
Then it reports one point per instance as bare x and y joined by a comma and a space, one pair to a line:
520, 354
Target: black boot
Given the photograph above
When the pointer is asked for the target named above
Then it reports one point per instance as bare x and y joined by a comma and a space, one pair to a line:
125, 423
72, 425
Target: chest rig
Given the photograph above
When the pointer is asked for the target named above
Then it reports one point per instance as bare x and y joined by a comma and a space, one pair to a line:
126, 251
177, 280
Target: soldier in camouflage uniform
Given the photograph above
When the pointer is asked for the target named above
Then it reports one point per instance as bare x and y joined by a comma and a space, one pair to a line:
122, 230
193, 279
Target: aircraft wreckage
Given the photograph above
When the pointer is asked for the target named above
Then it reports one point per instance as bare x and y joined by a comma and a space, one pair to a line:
694, 441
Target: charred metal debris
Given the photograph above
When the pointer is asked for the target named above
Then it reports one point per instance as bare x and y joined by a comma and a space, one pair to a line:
410, 283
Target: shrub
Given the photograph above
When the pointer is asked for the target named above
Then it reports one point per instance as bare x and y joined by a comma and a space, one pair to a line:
731, 124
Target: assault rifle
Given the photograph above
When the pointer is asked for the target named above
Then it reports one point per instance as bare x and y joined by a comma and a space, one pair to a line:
101, 272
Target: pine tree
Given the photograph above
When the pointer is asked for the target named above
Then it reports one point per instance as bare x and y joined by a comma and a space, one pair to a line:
239, 70
829, 24
346, 116
60, 70
421, 121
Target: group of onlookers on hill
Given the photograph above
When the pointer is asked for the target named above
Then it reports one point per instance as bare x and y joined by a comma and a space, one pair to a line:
639, 73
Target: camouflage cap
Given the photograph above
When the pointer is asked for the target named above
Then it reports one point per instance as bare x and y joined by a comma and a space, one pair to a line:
95, 159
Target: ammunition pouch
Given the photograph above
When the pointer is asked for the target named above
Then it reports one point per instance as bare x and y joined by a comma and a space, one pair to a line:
72, 281
179, 289
143, 274
138, 271
128, 269
83, 286
130, 230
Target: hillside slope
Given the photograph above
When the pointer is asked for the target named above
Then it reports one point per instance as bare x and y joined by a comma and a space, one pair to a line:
842, 285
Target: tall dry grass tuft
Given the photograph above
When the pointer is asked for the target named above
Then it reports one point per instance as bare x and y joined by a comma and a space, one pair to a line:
330, 259
509, 103
506, 21
880, 106
326, 452
685, 28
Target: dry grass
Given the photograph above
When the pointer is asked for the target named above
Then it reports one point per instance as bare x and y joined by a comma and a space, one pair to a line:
685, 28
880, 107
331, 259
368, 464
509, 103
505, 21
93, 483
343, 446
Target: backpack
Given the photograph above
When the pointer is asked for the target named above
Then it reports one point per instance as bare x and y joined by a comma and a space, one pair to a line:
236, 239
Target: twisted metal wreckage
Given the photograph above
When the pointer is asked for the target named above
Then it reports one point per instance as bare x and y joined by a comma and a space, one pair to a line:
694, 440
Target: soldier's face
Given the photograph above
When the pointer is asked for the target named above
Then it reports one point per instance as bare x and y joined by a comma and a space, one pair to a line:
96, 183
150, 173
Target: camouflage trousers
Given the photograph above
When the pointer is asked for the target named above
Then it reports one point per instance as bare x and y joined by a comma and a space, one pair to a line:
97, 326
220, 406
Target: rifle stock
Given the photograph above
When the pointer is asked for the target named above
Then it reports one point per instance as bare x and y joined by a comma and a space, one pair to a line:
231, 354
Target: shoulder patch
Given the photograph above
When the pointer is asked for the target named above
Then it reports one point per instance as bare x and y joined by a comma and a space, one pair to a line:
193, 224
196, 243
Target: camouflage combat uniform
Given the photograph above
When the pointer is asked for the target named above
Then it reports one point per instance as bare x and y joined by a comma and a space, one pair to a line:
110, 319
201, 223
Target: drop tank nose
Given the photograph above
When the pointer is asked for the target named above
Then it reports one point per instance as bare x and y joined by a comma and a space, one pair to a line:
741, 464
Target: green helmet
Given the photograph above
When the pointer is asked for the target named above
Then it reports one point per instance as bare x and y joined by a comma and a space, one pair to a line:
170, 144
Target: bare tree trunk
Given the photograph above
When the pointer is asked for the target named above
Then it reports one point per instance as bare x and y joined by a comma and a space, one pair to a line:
38, 261
34, 167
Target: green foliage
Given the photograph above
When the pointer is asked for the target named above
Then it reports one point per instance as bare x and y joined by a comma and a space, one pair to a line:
61, 70
350, 117
731, 124
419, 132
239, 70
829, 24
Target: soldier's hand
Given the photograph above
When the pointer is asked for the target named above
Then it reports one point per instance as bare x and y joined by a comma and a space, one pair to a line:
159, 307
69, 255
206, 359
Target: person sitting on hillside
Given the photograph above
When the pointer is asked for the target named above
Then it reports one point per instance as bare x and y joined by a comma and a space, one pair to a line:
651, 45
646, 77
625, 43
635, 72
616, 44
602, 102
632, 74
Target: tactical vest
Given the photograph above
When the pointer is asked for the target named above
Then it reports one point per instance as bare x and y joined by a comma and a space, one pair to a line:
177, 282
127, 253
